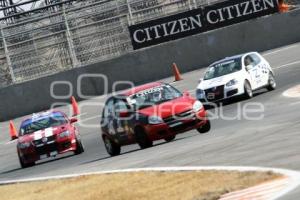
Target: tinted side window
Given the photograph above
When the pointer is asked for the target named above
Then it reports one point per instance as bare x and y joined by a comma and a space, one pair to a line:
256, 59
248, 61
109, 109
120, 106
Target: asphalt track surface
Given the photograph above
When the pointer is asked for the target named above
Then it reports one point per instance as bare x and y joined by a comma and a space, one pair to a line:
270, 142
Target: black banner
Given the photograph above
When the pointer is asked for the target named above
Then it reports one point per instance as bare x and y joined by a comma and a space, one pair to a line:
198, 21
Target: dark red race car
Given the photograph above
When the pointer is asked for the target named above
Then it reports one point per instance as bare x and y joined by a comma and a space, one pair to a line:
147, 113
46, 135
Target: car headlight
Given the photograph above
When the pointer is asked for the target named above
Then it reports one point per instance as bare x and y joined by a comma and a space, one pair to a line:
199, 91
197, 106
155, 120
64, 134
231, 82
24, 145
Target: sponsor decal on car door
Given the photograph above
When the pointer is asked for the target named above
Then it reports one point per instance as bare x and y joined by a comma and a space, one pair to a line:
265, 72
122, 128
254, 75
258, 76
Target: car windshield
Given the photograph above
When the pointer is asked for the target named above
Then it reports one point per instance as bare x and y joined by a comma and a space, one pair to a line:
223, 68
42, 122
153, 96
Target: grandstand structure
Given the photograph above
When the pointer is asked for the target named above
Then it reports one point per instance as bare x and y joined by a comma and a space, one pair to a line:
42, 37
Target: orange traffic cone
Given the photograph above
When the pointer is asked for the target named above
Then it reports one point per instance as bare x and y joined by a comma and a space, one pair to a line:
75, 106
12, 131
176, 72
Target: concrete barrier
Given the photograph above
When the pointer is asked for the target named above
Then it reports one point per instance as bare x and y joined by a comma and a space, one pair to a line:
155, 62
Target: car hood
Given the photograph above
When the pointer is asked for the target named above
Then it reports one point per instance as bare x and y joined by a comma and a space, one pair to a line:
169, 108
43, 133
222, 80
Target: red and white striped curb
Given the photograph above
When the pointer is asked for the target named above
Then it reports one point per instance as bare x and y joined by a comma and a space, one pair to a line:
259, 192
267, 191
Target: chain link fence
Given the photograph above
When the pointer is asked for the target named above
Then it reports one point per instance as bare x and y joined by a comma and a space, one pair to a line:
293, 2
77, 35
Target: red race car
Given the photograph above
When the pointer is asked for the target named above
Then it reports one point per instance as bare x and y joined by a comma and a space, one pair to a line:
147, 113
46, 135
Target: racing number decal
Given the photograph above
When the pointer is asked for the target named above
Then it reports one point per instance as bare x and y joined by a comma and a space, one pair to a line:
265, 68
119, 126
260, 74
111, 129
256, 72
128, 130
257, 76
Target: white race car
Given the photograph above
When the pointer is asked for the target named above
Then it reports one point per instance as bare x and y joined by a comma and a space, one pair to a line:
233, 76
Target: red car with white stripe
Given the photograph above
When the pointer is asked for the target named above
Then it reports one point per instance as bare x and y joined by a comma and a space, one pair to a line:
46, 135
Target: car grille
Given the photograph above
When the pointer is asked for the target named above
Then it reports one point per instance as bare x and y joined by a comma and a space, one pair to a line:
39, 142
44, 147
184, 126
178, 117
215, 93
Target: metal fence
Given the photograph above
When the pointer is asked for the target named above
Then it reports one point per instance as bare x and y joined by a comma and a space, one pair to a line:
293, 2
77, 35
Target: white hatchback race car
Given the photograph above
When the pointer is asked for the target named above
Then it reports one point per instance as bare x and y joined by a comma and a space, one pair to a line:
234, 76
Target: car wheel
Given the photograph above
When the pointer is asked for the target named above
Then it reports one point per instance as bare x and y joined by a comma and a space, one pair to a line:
142, 138
248, 90
79, 147
271, 83
111, 147
170, 138
205, 128
25, 165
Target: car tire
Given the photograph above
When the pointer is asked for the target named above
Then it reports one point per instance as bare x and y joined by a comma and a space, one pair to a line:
79, 147
248, 90
25, 165
170, 138
271, 83
205, 128
142, 138
111, 147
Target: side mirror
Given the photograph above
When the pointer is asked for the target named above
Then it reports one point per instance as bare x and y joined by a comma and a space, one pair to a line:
249, 67
124, 114
186, 94
200, 80
73, 120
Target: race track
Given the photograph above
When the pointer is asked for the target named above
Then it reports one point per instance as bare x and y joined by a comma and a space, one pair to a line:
270, 142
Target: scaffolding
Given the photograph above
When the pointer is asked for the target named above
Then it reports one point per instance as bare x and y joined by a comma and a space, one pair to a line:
52, 36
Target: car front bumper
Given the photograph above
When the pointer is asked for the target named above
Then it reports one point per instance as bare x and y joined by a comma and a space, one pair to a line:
46, 150
164, 130
227, 92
